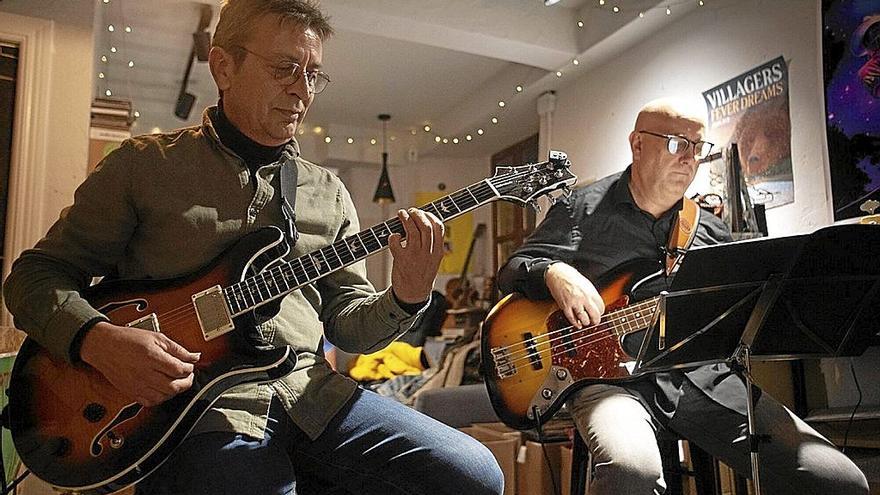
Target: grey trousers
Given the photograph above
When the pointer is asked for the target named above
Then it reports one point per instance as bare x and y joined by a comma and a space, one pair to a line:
621, 436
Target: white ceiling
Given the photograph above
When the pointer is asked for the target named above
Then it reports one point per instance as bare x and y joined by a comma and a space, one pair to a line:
444, 63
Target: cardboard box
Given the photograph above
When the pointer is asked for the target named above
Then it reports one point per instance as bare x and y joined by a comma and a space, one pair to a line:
534, 476
502, 429
565, 472
504, 448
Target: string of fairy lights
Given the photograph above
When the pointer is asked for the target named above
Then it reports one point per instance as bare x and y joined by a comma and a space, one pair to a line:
494, 119
120, 30
116, 50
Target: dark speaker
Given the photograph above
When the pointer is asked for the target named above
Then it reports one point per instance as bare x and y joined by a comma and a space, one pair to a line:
184, 105
202, 44
761, 218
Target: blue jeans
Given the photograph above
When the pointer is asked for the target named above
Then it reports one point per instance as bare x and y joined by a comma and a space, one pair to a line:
373, 446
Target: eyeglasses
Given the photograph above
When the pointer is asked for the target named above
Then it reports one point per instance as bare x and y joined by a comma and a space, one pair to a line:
287, 73
678, 145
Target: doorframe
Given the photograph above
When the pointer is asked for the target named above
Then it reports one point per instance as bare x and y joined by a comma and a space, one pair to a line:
27, 173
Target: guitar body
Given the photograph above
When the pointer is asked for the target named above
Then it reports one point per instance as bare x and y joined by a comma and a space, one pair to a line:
74, 430
533, 358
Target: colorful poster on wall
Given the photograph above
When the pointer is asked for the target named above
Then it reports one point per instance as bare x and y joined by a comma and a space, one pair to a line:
751, 110
851, 63
456, 239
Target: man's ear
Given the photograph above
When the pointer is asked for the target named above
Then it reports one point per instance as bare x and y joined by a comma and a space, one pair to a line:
222, 67
635, 144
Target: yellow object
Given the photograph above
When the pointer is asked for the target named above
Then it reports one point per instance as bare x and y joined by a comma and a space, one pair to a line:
399, 358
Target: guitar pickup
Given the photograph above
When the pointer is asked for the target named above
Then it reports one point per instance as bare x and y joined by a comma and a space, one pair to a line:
212, 312
534, 355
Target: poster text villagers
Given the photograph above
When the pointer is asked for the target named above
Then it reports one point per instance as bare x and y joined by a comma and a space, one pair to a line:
751, 110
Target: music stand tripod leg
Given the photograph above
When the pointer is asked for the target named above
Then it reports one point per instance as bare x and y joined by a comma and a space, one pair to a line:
743, 365
744, 360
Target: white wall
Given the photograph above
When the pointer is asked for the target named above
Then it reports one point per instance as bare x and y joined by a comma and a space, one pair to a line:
596, 112
70, 95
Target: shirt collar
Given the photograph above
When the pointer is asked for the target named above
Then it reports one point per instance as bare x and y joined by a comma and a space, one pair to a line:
621, 193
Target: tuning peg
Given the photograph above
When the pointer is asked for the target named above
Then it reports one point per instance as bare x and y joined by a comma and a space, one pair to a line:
566, 191
869, 206
552, 199
535, 206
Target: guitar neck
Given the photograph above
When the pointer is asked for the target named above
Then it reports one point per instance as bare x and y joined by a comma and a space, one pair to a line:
632, 318
286, 277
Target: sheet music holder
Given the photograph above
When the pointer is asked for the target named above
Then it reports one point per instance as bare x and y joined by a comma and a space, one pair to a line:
805, 296
829, 294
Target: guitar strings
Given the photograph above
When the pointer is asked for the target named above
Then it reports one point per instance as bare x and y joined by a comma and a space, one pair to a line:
576, 343
186, 311
611, 325
615, 317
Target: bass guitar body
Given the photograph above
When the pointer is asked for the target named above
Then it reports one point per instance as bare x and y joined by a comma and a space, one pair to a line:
77, 432
533, 358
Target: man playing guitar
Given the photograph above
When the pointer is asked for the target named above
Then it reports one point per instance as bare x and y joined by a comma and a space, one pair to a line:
163, 206
626, 217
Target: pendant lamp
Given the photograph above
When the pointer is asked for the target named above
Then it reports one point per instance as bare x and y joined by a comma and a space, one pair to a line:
384, 194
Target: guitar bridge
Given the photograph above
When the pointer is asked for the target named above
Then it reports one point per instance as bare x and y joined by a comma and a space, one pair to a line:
503, 366
213, 312
149, 322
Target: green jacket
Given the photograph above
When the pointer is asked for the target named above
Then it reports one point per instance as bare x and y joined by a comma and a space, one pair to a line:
164, 205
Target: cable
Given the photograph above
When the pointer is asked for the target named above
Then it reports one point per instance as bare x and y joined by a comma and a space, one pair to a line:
852, 369
544, 450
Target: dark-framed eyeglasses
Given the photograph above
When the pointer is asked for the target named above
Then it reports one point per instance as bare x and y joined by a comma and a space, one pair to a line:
287, 73
678, 145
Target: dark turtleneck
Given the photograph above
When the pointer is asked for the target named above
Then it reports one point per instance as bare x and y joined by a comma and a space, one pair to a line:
254, 154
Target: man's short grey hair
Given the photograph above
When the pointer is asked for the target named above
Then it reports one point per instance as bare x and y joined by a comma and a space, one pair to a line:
238, 19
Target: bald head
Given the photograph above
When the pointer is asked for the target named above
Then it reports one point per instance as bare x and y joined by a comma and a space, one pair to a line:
664, 112
660, 174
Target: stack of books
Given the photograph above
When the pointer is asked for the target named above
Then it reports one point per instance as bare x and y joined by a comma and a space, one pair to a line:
112, 113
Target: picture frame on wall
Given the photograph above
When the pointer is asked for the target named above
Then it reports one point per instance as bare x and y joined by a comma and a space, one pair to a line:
851, 70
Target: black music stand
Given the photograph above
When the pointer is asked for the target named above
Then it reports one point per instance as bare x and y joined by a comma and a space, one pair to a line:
806, 296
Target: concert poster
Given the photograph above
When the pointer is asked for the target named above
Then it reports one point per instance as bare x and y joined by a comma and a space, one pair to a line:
751, 110
851, 68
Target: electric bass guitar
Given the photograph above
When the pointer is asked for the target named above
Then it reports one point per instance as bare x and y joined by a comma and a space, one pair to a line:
75, 431
533, 358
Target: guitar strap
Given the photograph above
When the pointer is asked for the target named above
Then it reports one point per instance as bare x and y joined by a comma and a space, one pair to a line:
289, 175
682, 234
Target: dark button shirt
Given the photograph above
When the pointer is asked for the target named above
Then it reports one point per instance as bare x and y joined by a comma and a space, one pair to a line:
597, 229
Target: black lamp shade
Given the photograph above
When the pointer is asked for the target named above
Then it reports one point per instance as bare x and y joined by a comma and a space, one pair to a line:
384, 193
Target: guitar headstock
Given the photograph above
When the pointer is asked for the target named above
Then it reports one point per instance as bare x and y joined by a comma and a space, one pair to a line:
526, 183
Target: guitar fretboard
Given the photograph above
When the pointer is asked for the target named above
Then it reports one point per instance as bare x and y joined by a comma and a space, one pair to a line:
631, 318
286, 277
